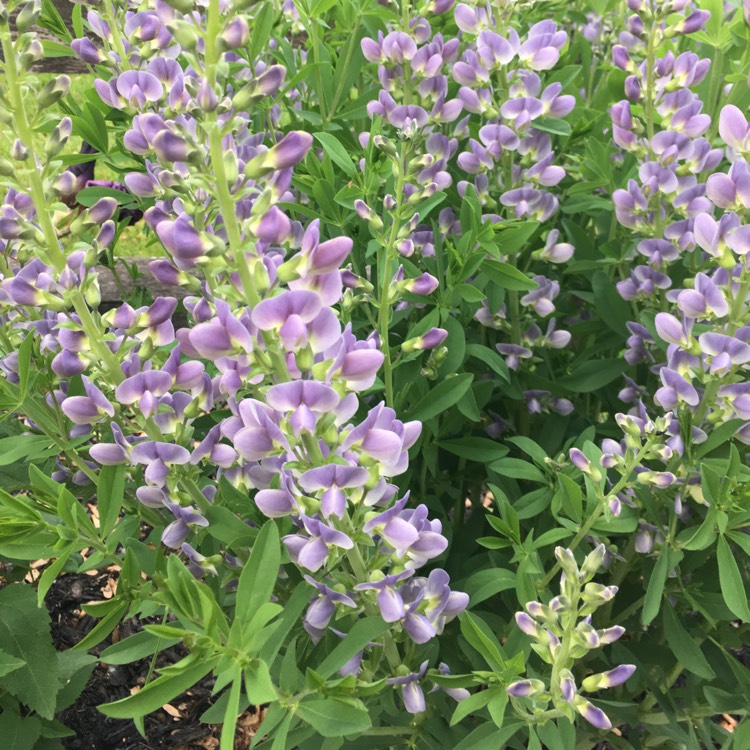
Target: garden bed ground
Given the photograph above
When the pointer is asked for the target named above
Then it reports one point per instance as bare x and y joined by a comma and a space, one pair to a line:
174, 727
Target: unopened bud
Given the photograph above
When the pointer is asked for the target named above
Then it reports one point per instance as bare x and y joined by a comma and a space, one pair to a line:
593, 562
28, 15
385, 145
609, 679
184, 33
53, 91
18, 152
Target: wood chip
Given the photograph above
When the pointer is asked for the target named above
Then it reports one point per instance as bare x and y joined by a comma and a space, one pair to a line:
172, 711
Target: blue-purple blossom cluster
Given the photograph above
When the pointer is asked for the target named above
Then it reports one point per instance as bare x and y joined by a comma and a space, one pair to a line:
265, 345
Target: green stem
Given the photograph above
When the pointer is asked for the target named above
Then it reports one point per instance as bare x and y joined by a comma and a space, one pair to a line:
318, 73
562, 658
599, 510
387, 256
649, 93
111, 18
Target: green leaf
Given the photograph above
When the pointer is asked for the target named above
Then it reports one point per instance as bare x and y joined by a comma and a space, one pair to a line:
182, 676
258, 684
257, 579
492, 359
507, 276
719, 436
552, 125
594, 374
51, 20
55, 49
75, 670
30, 447
262, 25
9, 663
50, 574
683, 646
655, 588
424, 209
19, 732
138, 646
480, 641
333, 718
25, 635
89, 196
517, 468
444, 395
511, 236
572, 497
110, 491
362, 632
487, 737
471, 705
104, 627
730, 579
339, 155
613, 310
482, 450
293, 608
486, 583
228, 528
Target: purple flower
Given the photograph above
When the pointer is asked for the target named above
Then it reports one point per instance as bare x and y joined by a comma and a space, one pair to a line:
734, 129
390, 601
411, 692
676, 390
322, 608
332, 479
88, 409
185, 517
311, 551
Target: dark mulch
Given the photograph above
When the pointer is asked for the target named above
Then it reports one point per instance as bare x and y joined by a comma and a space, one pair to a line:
175, 728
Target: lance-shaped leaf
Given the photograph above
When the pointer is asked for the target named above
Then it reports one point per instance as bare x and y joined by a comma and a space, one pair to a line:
257, 579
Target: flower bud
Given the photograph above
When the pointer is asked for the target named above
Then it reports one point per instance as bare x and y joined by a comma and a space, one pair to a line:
18, 152
53, 91
621, 58
28, 15
235, 34
567, 562
422, 285
525, 688
366, 213
593, 562
567, 685
614, 677
58, 137
92, 294
6, 168
289, 151
385, 145
592, 714
527, 624
184, 33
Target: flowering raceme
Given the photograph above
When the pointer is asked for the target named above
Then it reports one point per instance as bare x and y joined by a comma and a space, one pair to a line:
265, 345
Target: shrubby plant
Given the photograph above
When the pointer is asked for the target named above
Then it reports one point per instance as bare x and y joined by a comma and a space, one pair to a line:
442, 431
